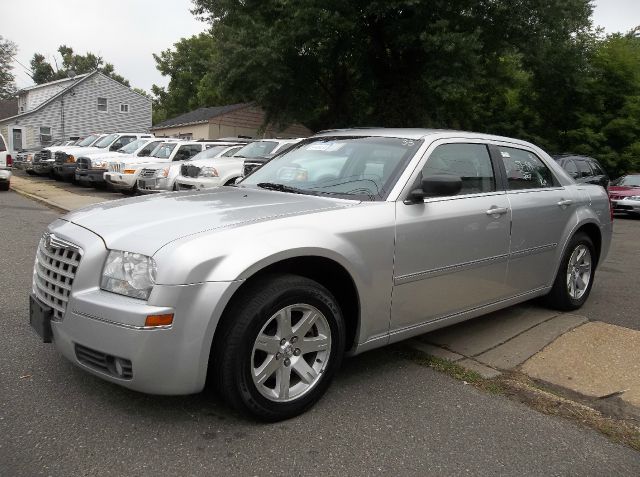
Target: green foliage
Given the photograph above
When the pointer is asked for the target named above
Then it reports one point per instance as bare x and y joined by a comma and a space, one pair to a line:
8, 49
44, 72
533, 69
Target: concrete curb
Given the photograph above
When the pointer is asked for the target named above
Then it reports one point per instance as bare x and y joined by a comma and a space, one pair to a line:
41, 200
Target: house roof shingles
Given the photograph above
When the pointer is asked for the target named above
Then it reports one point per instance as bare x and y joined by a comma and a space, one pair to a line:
201, 115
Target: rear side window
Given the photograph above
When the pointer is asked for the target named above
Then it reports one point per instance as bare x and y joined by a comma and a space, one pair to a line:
470, 162
525, 170
2, 145
571, 168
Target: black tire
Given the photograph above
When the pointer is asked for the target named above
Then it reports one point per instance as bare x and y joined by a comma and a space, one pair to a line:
4, 186
31, 173
232, 350
559, 296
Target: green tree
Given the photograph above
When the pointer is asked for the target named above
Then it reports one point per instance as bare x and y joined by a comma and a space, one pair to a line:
394, 63
190, 86
8, 49
43, 71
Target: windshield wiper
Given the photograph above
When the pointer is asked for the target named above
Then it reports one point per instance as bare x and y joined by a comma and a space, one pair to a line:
280, 187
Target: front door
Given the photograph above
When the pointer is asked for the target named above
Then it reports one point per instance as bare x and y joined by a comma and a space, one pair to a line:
17, 139
451, 252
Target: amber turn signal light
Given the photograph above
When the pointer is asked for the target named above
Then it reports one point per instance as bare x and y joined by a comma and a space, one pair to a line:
159, 320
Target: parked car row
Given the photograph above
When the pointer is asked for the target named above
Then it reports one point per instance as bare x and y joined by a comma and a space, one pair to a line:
141, 163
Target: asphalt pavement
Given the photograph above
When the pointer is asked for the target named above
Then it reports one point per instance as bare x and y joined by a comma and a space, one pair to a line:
383, 414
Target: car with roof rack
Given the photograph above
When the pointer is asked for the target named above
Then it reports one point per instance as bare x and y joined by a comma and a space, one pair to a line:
163, 178
262, 288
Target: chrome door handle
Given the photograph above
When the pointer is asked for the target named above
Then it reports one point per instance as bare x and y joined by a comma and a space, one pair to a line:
565, 202
497, 211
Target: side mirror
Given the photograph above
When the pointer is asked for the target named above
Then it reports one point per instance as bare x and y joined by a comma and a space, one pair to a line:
436, 186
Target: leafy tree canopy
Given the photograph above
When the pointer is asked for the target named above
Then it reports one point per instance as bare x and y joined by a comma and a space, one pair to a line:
8, 49
44, 72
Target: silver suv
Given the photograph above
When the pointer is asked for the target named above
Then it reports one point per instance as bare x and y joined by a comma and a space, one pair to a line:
263, 287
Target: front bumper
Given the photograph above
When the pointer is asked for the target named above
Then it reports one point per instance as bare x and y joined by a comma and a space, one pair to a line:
23, 165
43, 167
106, 326
94, 176
65, 170
153, 185
626, 205
187, 183
119, 180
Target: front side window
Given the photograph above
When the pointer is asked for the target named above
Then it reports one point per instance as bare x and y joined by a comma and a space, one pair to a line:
187, 151
122, 141
45, 135
362, 168
571, 168
525, 170
102, 104
470, 162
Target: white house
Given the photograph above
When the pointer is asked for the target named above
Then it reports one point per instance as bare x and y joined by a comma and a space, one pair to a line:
75, 107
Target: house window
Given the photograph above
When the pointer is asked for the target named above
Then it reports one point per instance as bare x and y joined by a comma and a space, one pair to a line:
45, 135
187, 136
102, 104
124, 108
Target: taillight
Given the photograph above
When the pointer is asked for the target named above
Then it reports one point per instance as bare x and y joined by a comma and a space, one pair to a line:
9, 160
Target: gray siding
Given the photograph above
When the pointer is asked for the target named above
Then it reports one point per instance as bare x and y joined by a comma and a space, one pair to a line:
76, 112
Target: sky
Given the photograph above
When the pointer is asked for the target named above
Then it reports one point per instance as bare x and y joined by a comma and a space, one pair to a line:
127, 32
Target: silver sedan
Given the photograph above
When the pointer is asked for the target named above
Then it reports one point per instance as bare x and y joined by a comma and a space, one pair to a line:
351, 240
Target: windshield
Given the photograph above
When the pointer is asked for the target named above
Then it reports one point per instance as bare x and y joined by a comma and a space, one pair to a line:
256, 149
106, 141
163, 151
88, 140
133, 146
629, 181
363, 168
208, 153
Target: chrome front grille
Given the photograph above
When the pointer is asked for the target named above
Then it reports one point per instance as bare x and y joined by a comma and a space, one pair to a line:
116, 167
54, 271
147, 173
84, 163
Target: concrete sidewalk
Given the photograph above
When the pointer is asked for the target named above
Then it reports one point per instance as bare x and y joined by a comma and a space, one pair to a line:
592, 361
60, 195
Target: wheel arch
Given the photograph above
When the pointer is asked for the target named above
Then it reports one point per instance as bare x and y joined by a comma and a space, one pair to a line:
324, 270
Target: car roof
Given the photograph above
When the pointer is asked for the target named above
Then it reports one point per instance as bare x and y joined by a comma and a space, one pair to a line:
413, 133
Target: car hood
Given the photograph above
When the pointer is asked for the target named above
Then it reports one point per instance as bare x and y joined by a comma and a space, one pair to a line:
147, 223
624, 190
212, 161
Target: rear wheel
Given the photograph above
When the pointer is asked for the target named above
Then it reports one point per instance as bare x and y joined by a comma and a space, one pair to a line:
575, 276
276, 357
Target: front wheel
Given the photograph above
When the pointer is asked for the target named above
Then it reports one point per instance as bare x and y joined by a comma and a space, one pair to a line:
574, 280
277, 354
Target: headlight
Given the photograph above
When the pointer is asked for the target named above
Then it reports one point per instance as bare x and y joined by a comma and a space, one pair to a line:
632, 197
99, 165
208, 172
130, 274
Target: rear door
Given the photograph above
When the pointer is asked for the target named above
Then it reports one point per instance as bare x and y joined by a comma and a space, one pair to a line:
541, 211
451, 252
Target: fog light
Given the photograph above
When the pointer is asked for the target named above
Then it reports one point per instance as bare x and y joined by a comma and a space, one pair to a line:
119, 369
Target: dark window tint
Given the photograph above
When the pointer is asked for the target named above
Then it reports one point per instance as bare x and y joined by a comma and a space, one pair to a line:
597, 170
471, 162
185, 152
525, 170
2, 145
